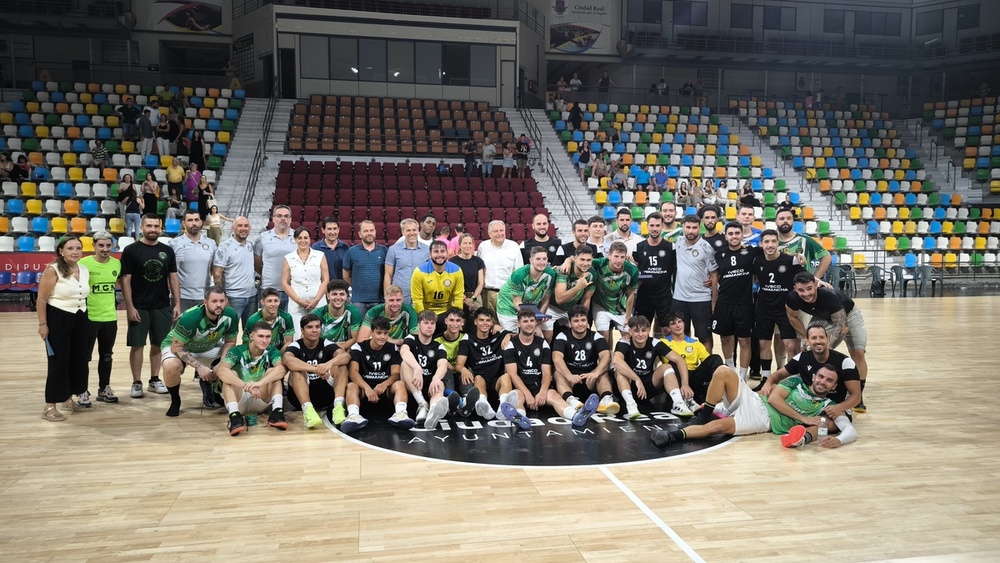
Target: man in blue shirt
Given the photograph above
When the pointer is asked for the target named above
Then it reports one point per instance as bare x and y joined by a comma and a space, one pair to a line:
333, 248
660, 179
404, 257
641, 175
363, 266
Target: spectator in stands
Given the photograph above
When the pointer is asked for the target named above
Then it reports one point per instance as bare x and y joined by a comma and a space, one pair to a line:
444, 235
809, 100
838, 98
559, 104
23, 170
688, 88
154, 113
332, 247
129, 199
442, 169
600, 168
176, 131
99, 155
819, 99
150, 194
521, 149
699, 92
575, 83
197, 150
128, 114
167, 95
659, 179
191, 181
619, 178
652, 88
662, 88
163, 137
474, 270
454, 241
489, 152
562, 85
693, 196
612, 134
206, 196
501, 257
6, 167
708, 195
604, 83
723, 191
576, 116
404, 257
747, 197
175, 178
213, 222
146, 132
583, 161
175, 205
470, 151
641, 175
508, 160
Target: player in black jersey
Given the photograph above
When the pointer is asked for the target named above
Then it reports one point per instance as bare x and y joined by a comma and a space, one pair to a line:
374, 372
313, 383
733, 316
635, 362
709, 215
580, 360
581, 232
774, 271
657, 263
425, 371
480, 361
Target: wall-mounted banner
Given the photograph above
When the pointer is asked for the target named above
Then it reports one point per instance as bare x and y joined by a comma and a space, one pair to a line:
584, 27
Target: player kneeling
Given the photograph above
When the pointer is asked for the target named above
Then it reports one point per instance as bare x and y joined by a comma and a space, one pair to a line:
374, 374
249, 374
581, 358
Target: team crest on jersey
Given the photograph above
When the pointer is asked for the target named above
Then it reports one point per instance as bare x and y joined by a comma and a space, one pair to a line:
588, 346
162, 255
447, 283
386, 357
204, 246
536, 352
718, 244
689, 349
430, 353
662, 253
694, 253
744, 252
552, 249
782, 269
649, 355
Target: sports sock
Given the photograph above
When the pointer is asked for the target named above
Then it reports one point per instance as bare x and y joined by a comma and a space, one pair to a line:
175, 400
765, 366
627, 395
730, 363
743, 373
306, 406
808, 437
353, 409
863, 390
482, 399
676, 397
707, 407
277, 401
338, 401
401, 407
678, 435
419, 398
569, 411
765, 374
574, 402
522, 412
233, 407
567, 395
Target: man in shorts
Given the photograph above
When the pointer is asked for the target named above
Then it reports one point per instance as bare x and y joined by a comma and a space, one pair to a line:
574, 287
250, 373
580, 360
656, 260
480, 361
732, 316
314, 381
702, 365
425, 371
374, 375
793, 410
282, 328
402, 317
774, 272
696, 264
834, 308
463, 400
647, 366
528, 285
617, 280
201, 336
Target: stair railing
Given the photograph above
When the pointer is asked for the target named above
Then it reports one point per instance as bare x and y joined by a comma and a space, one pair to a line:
259, 156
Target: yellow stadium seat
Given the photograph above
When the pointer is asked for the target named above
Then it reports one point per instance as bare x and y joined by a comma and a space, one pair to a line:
88, 243
59, 225
76, 174
29, 189
600, 197
69, 159
117, 225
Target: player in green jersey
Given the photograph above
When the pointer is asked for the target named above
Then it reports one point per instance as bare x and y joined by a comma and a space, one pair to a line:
527, 285
282, 327
250, 374
341, 320
817, 259
575, 287
402, 317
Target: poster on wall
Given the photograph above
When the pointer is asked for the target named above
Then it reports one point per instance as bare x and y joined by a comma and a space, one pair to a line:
583, 27
203, 16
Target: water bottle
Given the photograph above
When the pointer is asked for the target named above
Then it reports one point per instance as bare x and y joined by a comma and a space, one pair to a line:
821, 431
251, 419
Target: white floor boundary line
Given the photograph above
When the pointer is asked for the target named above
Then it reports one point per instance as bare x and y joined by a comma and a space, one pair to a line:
652, 516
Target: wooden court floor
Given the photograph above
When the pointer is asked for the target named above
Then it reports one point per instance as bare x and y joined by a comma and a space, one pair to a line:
124, 483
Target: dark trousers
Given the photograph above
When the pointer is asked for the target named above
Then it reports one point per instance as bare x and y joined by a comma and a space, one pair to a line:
69, 343
103, 334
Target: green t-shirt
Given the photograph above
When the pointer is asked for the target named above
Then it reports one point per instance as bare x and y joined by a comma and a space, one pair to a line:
812, 250
282, 327
800, 398
339, 329
570, 280
532, 292
101, 301
200, 334
671, 235
248, 368
402, 326
613, 288
450, 347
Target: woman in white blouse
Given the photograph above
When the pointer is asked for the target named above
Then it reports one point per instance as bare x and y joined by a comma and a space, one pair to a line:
65, 329
303, 278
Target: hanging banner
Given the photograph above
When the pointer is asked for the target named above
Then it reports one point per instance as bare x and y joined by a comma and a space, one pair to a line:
584, 27
203, 16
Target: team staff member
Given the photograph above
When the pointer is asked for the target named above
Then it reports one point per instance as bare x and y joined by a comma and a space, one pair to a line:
332, 247
501, 257
552, 245
64, 327
193, 251
104, 270
657, 262
695, 264
272, 247
233, 269
364, 265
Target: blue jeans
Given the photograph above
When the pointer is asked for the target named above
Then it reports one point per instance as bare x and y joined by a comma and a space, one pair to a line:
363, 307
487, 168
244, 306
132, 222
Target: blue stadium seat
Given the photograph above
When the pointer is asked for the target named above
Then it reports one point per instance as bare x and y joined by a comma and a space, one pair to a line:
794, 198
25, 243
609, 213
56, 97
219, 149
16, 106
5, 281
83, 120
614, 197
910, 260
239, 94
15, 207
172, 227
22, 119
26, 132
40, 225
64, 190
37, 85
101, 98
80, 146
151, 161
214, 125
104, 133
90, 208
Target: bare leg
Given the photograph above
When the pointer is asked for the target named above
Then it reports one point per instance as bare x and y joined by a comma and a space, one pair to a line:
154, 360
135, 357
745, 353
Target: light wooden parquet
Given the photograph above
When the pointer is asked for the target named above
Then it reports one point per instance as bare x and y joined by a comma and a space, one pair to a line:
125, 483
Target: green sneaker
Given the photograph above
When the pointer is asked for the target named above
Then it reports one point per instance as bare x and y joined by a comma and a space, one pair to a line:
339, 414
311, 417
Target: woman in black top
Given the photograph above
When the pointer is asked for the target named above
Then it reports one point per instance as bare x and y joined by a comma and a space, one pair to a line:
474, 272
197, 150
576, 115
584, 160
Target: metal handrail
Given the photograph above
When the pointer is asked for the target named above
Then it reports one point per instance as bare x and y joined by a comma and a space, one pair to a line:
534, 133
920, 132
562, 189
951, 174
934, 151
259, 156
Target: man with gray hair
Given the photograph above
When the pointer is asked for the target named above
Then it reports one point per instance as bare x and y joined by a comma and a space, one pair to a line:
271, 248
501, 257
233, 270
104, 270
404, 257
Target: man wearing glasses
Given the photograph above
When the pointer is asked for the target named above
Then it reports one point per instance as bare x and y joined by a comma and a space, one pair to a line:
271, 248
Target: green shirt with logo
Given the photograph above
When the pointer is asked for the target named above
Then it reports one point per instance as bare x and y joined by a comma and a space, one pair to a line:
247, 367
103, 277
402, 326
801, 399
342, 328
613, 287
282, 327
531, 291
199, 334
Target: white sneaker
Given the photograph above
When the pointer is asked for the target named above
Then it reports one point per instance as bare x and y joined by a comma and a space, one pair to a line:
85, 399
692, 405
136, 390
400, 420
157, 386
681, 410
484, 410
422, 413
437, 411
632, 411
353, 422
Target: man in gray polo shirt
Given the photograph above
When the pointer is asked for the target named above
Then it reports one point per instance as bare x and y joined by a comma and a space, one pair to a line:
270, 249
232, 269
404, 257
695, 266
194, 252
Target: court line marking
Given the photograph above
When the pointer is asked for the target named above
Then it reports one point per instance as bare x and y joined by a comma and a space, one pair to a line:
652, 516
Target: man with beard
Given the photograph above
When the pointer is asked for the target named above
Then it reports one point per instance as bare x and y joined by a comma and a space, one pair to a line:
232, 269
671, 226
581, 232
732, 316
540, 226
695, 264
194, 252
333, 248
437, 284
657, 262
817, 259
774, 272
710, 215
364, 265
314, 382
528, 285
573, 287
623, 233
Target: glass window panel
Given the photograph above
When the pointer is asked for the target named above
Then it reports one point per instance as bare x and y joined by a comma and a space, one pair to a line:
833, 21
455, 64
372, 60
343, 58
400, 55
930, 22
427, 58
893, 24
314, 61
741, 16
484, 65
968, 16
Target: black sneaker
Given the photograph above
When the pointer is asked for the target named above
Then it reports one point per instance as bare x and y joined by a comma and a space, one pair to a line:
760, 386
469, 406
237, 423
661, 438
454, 400
207, 395
703, 416
277, 419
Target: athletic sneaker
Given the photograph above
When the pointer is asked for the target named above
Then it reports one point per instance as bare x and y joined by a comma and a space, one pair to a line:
400, 420
353, 422
106, 395
796, 437
681, 410
237, 423
422, 414
469, 403
310, 417
608, 406
454, 402
632, 411
437, 411
156, 386
510, 413
860, 408
277, 419
136, 390
589, 408
339, 414
702, 417
693, 406
207, 395
85, 399
661, 438
484, 410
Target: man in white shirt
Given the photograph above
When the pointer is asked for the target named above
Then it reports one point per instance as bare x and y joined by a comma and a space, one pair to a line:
194, 252
502, 257
696, 264
270, 250
232, 269
623, 233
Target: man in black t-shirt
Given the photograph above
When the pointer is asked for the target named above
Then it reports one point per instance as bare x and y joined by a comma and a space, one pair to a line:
151, 290
426, 371
480, 357
552, 245
581, 232
774, 271
657, 263
709, 215
580, 360
847, 394
733, 316
374, 372
313, 384
835, 309
521, 149
635, 362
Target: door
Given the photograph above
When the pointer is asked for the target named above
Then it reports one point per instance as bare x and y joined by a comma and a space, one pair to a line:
289, 78
267, 62
508, 84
